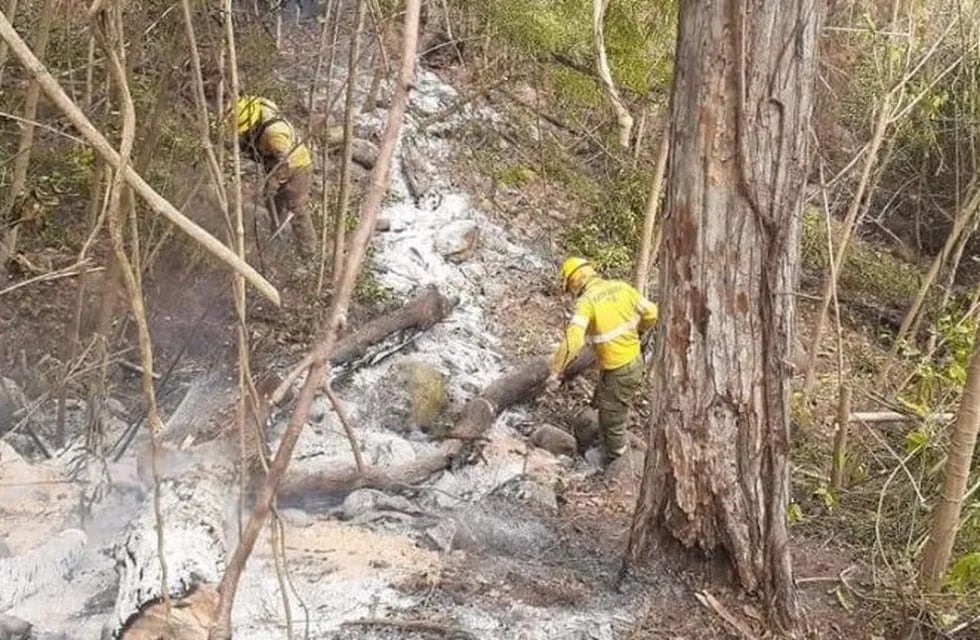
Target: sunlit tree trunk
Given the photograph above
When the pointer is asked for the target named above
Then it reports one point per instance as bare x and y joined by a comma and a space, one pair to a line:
956, 474
717, 475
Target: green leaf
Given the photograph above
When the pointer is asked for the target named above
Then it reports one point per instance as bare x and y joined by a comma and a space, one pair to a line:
916, 440
964, 575
794, 513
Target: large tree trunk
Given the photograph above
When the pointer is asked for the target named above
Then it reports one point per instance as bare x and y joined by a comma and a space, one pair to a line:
717, 474
956, 474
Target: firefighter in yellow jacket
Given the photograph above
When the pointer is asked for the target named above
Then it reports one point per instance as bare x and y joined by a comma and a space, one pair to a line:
612, 315
266, 137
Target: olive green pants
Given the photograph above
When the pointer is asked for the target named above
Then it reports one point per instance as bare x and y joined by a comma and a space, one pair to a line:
293, 196
614, 395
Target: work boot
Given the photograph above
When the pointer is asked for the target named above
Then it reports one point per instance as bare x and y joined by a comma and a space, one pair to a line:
611, 454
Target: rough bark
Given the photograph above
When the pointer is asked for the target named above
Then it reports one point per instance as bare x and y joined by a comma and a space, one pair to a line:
717, 474
421, 312
157, 203
956, 474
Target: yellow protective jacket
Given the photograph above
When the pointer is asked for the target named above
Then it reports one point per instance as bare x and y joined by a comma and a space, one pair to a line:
612, 315
275, 144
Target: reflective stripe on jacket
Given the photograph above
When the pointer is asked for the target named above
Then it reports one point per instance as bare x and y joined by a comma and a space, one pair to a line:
612, 315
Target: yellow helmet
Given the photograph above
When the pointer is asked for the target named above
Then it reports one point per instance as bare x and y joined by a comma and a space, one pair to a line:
575, 272
248, 111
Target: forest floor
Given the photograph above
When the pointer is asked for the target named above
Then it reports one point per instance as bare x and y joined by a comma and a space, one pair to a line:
192, 324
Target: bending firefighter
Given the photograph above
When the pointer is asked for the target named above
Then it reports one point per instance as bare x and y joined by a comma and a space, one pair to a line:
268, 138
612, 315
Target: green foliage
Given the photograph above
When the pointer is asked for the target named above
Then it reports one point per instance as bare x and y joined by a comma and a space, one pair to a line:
964, 575
368, 289
868, 273
639, 37
515, 175
935, 379
610, 234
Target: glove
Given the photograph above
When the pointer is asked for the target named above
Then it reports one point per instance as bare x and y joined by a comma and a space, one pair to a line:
552, 384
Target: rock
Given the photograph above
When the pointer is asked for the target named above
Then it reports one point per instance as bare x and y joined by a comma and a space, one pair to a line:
427, 388
115, 408
627, 469
442, 535
585, 426
296, 518
4, 549
412, 397
529, 492
458, 240
360, 502
386, 450
557, 441
13, 628
365, 501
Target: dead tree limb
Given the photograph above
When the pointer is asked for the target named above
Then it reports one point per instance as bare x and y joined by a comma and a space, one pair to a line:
479, 414
343, 197
623, 117
422, 311
336, 322
648, 246
157, 203
338, 408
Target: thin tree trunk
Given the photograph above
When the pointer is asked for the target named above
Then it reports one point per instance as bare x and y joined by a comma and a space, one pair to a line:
623, 117
324, 138
951, 272
318, 67
644, 257
156, 202
956, 473
963, 217
343, 198
11, 12
25, 147
840, 438
336, 321
716, 474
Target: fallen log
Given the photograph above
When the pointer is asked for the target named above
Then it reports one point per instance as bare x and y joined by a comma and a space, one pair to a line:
422, 312
195, 490
478, 416
894, 416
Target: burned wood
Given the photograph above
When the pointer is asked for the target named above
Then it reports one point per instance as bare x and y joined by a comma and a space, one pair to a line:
513, 388
194, 493
418, 626
421, 312
478, 416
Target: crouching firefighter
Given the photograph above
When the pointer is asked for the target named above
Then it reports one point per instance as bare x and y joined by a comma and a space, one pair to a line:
612, 315
268, 138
